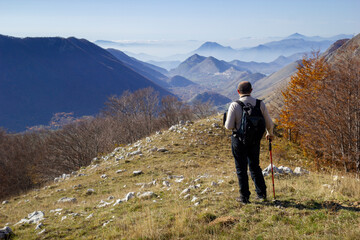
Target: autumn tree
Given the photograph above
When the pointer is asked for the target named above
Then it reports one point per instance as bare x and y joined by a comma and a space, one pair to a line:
321, 109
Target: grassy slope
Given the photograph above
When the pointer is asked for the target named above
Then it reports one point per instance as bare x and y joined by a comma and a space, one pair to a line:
307, 209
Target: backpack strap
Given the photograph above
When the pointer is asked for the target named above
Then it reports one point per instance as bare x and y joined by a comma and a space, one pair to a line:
258, 102
240, 103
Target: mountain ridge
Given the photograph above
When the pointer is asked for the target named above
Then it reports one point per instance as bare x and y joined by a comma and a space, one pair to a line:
42, 76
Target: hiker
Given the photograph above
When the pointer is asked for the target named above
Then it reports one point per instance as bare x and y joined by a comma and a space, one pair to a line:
247, 153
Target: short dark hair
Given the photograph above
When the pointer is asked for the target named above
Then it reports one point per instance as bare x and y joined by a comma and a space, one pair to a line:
244, 87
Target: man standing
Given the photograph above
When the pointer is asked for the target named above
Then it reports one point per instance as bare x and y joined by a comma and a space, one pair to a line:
247, 153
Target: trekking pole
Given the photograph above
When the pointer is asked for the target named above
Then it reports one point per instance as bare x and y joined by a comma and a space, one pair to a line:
272, 170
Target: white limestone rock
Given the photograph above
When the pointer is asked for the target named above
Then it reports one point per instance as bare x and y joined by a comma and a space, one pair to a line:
300, 171
129, 196
138, 172
33, 217
90, 191
186, 190
146, 195
104, 204
205, 190
194, 199
166, 183
187, 196
67, 200
286, 170
117, 202
39, 226
120, 171
138, 152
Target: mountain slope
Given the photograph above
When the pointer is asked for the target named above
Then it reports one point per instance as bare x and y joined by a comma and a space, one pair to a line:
143, 68
43, 76
187, 190
215, 98
270, 87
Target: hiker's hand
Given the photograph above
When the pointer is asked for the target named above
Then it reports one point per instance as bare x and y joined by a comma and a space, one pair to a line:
269, 137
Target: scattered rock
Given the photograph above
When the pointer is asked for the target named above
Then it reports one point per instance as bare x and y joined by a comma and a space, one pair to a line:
179, 180
90, 216
205, 190
194, 199
166, 183
42, 231
77, 186
107, 222
103, 204
33, 217
117, 202
187, 196
286, 170
39, 226
146, 195
129, 196
120, 170
300, 171
104, 176
67, 200
149, 184
138, 152
6, 233
186, 190
162, 150
135, 173
90, 191
56, 211
214, 184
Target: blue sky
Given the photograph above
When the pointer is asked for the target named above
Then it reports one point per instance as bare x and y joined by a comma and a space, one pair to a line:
210, 20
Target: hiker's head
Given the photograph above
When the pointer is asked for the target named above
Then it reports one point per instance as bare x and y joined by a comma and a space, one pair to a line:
244, 87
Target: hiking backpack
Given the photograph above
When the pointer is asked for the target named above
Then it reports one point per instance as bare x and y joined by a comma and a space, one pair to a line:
252, 127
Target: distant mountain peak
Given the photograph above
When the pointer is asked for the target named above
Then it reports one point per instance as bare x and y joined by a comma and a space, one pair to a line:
195, 58
296, 36
211, 46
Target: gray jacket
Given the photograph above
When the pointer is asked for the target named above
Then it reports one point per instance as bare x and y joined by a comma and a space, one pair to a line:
234, 114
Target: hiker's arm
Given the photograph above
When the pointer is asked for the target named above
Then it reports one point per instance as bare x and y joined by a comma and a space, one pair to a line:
268, 121
230, 122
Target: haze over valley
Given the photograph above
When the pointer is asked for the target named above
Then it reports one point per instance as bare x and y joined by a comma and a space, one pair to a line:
38, 72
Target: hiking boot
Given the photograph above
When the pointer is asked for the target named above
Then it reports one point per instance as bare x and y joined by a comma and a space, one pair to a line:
261, 199
242, 200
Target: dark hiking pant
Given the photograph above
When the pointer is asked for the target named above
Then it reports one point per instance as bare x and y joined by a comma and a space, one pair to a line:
245, 155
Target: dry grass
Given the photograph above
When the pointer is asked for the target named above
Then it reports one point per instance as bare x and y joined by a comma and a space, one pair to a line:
312, 206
